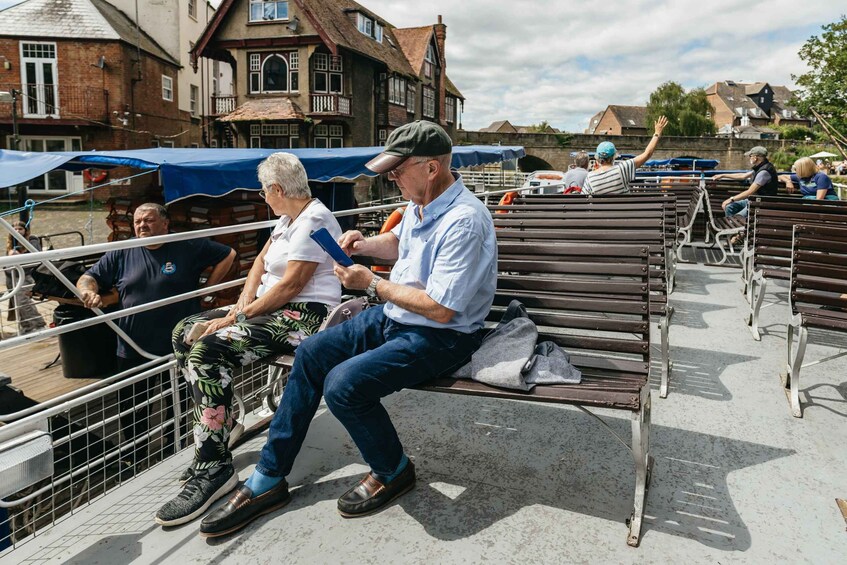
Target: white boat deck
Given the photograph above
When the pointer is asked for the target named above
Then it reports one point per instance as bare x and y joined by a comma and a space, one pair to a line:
736, 478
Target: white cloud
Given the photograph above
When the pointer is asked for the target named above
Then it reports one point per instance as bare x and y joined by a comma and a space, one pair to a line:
536, 60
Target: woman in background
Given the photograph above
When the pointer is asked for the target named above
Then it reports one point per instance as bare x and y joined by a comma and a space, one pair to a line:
29, 319
813, 184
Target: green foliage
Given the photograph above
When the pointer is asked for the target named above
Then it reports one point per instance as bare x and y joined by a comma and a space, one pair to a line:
796, 133
686, 111
563, 140
541, 127
823, 88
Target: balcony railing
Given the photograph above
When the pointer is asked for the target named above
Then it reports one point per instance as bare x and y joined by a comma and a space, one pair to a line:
57, 101
222, 105
334, 104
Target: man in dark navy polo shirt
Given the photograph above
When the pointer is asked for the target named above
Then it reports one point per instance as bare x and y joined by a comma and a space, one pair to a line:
144, 274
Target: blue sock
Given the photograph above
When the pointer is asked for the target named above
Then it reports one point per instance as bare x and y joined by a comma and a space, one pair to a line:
260, 484
387, 479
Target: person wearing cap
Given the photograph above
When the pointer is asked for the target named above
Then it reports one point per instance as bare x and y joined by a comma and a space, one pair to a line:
613, 178
765, 183
439, 292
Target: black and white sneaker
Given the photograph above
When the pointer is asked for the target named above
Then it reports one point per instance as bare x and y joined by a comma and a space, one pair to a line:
201, 490
186, 476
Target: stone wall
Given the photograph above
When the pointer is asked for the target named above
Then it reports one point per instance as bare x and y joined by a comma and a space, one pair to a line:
556, 149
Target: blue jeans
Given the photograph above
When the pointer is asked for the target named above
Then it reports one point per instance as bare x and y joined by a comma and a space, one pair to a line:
353, 365
738, 208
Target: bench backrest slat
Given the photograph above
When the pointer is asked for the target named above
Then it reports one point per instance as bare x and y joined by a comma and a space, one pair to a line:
818, 276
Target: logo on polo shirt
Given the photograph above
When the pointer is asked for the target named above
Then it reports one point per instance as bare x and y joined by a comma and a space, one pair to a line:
168, 268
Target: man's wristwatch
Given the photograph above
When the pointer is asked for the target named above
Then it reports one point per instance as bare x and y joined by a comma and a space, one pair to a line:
371, 290
240, 317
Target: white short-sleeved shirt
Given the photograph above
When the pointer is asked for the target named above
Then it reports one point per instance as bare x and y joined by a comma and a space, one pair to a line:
291, 242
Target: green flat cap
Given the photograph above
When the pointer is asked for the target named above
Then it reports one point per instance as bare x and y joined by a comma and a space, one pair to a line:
416, 139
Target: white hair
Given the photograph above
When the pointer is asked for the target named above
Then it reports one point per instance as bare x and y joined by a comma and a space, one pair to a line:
285, 170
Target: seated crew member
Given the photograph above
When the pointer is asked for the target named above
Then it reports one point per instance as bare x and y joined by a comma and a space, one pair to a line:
813, 184
614, 178
765, 183
438, 295
289, 291
142, 275
575, 177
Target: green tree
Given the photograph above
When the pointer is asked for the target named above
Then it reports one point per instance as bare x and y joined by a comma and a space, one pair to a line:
543, 127
687, 112
824, 87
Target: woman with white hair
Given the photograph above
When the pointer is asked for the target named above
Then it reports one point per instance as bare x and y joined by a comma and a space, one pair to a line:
290, 290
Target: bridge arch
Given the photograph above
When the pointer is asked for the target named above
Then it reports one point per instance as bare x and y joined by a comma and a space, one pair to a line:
531, 163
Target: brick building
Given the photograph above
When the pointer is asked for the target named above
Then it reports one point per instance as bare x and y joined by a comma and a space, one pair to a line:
619, 120
324, 73
744, 107
87, 79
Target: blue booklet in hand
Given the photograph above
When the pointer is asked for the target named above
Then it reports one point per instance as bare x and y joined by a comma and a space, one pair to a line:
323, 238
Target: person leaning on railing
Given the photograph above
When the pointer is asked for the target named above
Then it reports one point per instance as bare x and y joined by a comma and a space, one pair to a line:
141, 275
25, 311
813, 184
289, 291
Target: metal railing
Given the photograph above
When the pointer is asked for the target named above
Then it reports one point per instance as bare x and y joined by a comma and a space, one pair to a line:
95, 436
58, 101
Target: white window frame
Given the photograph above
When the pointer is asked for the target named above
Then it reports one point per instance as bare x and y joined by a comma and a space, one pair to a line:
428, 108
450, 109
256, 63
38, 92
332, 67
169, 143
429, 61
193, 97
410, 98
192, 9
261, 4
73, 180
287, 73
167, 88
397, 90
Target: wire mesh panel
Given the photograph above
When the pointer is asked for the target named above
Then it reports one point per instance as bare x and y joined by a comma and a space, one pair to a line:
103, 442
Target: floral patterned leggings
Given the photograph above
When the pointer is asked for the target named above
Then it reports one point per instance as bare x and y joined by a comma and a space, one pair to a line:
209, 362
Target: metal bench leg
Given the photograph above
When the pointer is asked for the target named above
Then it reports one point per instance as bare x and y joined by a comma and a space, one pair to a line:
686, 240
724, 255
757, 297
795, 363
275, 376
670, 264
643, 466
667, 366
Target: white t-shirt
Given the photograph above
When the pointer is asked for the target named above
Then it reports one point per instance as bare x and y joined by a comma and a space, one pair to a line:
613, 180
291, 242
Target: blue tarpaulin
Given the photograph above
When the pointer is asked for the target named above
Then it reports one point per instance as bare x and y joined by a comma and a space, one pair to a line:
698, 164
215, 172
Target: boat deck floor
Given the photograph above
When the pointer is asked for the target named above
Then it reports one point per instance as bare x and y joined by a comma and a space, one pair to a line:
736, 477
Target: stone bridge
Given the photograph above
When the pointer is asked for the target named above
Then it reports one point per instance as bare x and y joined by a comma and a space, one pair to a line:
552, 151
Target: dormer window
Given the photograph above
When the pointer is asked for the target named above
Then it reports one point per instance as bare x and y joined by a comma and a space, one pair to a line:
429, 61
268, 10
369, 27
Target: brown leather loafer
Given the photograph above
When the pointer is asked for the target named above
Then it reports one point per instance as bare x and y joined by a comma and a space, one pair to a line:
242, 508
370, 495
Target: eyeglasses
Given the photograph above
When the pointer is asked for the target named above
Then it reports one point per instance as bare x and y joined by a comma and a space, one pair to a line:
396, 173
263, 193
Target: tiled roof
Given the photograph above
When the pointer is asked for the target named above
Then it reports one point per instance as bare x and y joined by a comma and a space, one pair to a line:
451, 88
736, 95
495, 126
281, 108
75, 19
630, 116
414, 41
754, 88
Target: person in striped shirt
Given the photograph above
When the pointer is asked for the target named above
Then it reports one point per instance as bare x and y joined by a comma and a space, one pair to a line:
612, 178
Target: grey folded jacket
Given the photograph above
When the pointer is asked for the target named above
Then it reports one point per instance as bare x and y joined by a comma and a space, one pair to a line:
509, 357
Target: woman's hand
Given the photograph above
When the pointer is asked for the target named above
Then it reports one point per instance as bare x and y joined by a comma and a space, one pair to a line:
790, 186
244, 301
220, 323
660, 125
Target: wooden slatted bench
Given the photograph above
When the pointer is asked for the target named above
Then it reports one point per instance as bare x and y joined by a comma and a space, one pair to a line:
569, 291
772, 240
558, 222
720, 226
594, 301
818, 296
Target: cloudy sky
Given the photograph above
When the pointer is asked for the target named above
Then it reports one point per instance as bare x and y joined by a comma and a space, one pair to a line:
533, 60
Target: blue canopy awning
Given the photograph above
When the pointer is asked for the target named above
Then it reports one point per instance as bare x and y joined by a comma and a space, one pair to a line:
215, 172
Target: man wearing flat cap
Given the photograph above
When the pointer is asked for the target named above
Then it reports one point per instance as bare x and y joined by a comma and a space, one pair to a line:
765, 182
439, 292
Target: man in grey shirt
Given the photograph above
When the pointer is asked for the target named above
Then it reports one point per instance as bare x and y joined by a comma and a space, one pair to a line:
576, 175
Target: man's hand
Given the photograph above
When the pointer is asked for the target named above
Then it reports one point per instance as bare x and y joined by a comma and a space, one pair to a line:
355, 277
220, 323
352, 242
726, 203
718, 177
91, 299
660, 125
